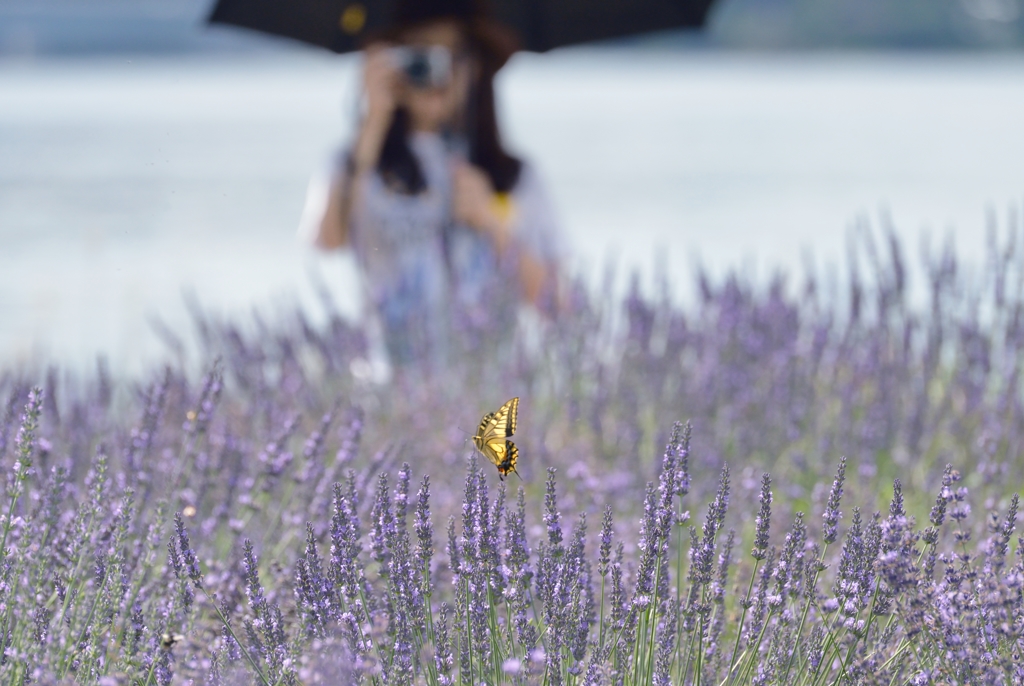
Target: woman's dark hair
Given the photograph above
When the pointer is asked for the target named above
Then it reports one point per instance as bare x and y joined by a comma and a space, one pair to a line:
399, 167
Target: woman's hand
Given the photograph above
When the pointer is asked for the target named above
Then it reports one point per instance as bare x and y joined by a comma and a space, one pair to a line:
381, 81
474, 204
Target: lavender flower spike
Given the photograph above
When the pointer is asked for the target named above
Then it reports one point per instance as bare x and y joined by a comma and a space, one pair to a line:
830, 529
187, 554
606, 542
763, 521
551, 514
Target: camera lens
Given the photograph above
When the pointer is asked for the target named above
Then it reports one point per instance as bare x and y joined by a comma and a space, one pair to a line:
429, 67
418, 70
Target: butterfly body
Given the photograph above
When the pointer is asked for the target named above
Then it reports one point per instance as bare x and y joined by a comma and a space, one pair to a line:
492, 435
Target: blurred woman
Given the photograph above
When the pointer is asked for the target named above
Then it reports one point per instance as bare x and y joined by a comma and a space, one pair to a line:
443, 221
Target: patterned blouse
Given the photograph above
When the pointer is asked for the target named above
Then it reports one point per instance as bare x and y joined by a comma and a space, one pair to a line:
424, 273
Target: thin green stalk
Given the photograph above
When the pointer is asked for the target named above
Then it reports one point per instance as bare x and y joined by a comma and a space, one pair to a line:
496, 657
73, 592
830, 649
241, 647
652, 650
689, 656
430, 636
679, 576
757, 646
700, 638
541, 629
366, 618
149, 674
895, 655
7, 527
732, 668
510, 629
20, 477
698, 666
427, 609
803, 615
856, 637
892, 617
469, 632
640, 624
743, 619
87, 623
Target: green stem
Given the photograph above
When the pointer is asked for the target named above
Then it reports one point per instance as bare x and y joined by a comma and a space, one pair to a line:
757, 647
803, 616
743, 619
652, 610
87, 624
830, 650
469, 631
227, 625
679, 582
149, 674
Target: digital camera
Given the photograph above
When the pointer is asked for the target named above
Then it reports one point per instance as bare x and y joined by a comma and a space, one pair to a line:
424, 67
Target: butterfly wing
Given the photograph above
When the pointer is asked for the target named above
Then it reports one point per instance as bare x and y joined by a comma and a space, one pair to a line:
504, 454
492, 434
498, 424
506, 419
485, 431
510, 455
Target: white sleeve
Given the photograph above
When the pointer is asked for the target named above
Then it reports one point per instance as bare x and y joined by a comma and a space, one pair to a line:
536, 223
318, 194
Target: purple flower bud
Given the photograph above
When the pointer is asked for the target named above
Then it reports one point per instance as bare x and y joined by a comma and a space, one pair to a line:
606, 542
830, 528
764, 518
187, 554
551, 514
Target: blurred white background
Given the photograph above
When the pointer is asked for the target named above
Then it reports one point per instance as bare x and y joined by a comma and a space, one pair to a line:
126, 181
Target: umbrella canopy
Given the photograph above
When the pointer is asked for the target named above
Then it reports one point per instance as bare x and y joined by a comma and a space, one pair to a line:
341, 25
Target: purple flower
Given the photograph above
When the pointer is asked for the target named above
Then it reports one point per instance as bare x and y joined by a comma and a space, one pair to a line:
1005, 531
764, 518
789, 570
185, 593
853, 581
551, 514
383, 522
313, 450
518, 572
188, 555
703, 556
402, 493
666, 649
251, 576
345, 570
25, 446
313, 590
424, 535
197, 420
606, 542
949, 477
896, 508
444, 662
830, 529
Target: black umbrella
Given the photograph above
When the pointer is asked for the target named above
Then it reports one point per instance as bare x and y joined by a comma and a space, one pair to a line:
340, 25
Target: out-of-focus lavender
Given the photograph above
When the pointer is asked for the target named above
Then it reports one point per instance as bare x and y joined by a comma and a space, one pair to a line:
286, 519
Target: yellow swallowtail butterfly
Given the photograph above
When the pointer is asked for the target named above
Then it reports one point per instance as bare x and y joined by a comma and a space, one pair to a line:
491, 438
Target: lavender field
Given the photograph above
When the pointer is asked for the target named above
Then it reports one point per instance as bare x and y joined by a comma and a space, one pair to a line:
789, 481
